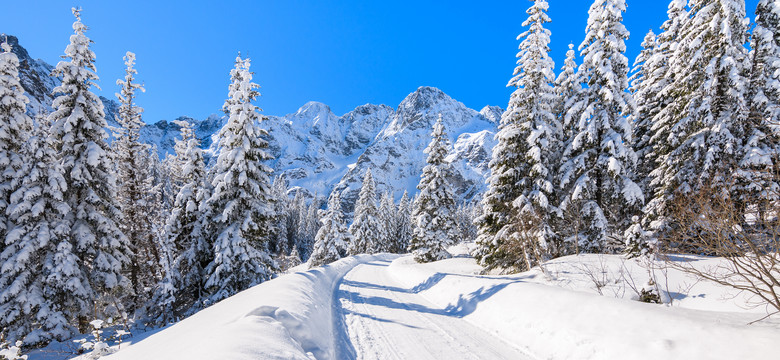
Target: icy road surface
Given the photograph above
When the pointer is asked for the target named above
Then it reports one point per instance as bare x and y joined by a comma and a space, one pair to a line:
384, 320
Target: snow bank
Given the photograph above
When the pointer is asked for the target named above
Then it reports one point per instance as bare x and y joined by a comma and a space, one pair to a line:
557, 323
290, 317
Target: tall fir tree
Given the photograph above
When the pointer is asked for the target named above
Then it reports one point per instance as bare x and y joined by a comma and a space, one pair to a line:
566, 89
644, 91
311, 224
387, 216
523, 165
182, 287
78, 135
765, 75
15, 128
403, 232
532, 106
39, 279
597, 177
241, 203
281, 210
366, 227
698, 136
757, 175
655, 118
333, 236
136, 196
297, 222
434, 209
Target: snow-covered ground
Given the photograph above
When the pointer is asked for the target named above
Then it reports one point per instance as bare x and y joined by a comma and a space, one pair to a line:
389, 307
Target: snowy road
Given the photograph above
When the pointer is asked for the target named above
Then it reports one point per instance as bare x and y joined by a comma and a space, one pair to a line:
383, 320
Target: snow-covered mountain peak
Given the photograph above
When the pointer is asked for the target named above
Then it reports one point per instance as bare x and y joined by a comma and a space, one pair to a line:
425, 97
311, 113
492, 113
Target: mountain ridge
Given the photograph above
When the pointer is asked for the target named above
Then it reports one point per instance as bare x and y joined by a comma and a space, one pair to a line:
318, 151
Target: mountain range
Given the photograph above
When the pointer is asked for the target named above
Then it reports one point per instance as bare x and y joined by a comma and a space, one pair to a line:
318, 151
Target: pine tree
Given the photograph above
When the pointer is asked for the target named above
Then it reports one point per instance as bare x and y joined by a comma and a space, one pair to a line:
403, 233
656, 117
600, 162
758, 156
519, 204
183, 285
366, 227
297, 223
135, 189
241, 204
280, 244
16, 127
532, 107
387, 216
765, 76
644, 92
332, 237
311, 224
465, 213
699, 133
39, 276
435, 207
78, 134
566, 89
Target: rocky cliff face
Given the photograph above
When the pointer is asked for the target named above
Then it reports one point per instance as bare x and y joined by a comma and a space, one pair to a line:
396, 155
319, 151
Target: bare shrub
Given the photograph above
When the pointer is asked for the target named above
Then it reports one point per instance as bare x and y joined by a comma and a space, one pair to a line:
745, 233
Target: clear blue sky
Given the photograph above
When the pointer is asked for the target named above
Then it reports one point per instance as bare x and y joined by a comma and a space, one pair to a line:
341, 53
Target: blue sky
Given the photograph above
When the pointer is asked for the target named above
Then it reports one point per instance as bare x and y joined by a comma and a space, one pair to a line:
341, 53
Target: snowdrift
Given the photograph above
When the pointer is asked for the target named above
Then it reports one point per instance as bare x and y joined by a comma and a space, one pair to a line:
289, 317
552, 322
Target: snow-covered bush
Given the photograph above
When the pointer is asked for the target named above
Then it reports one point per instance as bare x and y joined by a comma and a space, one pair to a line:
98, 344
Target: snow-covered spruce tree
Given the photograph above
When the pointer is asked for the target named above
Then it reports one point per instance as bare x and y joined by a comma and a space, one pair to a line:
280, 245
311, 224
464, 221
598, 173
16, 127
566, 89
757, 177
366, 227
655, 118
532, 106
569, 91
295, 222
79, 138
305, 225
387, 216
403, 229
700, 133
333, 236
39, 275
183, 285
241, 203
135, 190
644, 92
765, 74
434, 209
519, 204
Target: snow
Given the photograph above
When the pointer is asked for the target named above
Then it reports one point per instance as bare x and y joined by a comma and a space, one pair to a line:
536, 312
388, 306
289, 317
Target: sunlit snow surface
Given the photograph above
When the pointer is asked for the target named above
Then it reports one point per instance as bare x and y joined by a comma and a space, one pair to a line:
388, 307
